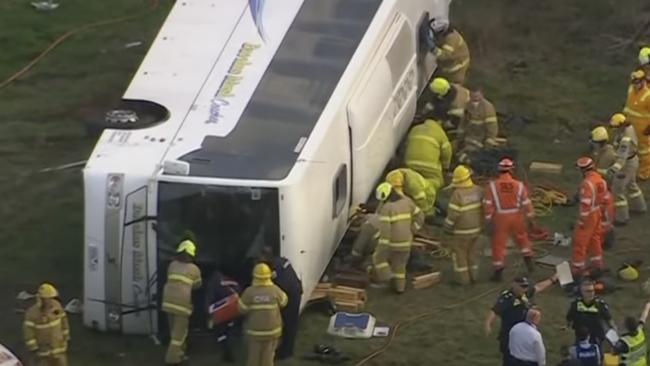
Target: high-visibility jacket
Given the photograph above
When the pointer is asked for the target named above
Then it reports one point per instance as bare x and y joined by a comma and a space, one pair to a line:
459, 104
480, 126
637, 349
368, 236
452, 53
593, 194
465, 211
398, 220
505, 196
262, 304
428, 150
419, 190
46, 330
182, 278
604, 158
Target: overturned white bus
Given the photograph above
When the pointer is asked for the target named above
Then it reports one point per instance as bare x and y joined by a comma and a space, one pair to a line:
247, 124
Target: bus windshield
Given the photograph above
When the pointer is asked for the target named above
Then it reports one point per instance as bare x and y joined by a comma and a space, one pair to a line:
229, 224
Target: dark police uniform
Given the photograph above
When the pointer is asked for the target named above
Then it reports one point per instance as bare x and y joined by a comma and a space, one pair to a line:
511, 310
219, 287
285, 277
591, 316
588, 354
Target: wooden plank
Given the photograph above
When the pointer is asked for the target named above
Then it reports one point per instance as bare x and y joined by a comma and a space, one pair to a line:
426, 280
361, 293
550, 168
343, 295
350, 306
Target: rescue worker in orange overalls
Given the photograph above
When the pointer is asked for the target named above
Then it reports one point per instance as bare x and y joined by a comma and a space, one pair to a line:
588, 231
637, 111
604, 159
507, 209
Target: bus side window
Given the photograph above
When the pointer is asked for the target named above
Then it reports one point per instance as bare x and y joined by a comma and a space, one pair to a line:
340, 190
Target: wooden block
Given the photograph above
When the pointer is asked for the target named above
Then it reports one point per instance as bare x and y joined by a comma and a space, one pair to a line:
350, 306
361, 293
426, 280
324, 286
317, 295
550, 168
343, 294
353, 279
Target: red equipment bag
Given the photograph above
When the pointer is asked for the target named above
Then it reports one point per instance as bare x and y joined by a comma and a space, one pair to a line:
226, 309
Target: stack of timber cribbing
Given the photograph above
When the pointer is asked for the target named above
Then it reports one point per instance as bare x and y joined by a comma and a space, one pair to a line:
345, 298
426, 280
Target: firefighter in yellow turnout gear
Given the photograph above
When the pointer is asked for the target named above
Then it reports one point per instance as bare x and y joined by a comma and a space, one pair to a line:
479, 128
451, 51
399, 218
428, 152
412, 184
446, 102
183, 276
463, 224
262, 303
637, 111
46, 330
629, 196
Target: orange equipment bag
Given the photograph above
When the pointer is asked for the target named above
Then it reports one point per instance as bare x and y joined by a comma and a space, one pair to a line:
226, 309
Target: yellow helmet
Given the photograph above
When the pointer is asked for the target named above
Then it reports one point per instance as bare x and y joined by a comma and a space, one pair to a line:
617, 120
644, 56
383, 191
461, 177
440, 86
395, 178
599, 134
628, 273
187, 246
47, 291
637, 75
262, 271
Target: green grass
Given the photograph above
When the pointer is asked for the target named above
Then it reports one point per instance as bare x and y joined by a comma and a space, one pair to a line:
570, 79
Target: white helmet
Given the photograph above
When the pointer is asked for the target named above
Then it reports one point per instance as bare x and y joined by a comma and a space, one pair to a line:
440, 25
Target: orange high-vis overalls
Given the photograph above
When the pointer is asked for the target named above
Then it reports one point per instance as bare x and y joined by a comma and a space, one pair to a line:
507, 205
588, 230
637, 111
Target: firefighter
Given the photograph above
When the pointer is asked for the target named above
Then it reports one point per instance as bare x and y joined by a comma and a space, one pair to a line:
507, 209
629, 196
411, 183
637, 112
262, 304
286, 278
220, 287
451, 51
399, 218
446, 102
588, 231
183, 276
464, 223
604, 158
46, 330
428, 152
480, 126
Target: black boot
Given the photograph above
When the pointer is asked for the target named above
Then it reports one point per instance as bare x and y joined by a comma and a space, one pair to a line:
530, 266
497, 276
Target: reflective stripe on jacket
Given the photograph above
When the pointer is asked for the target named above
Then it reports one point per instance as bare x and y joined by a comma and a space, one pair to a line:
182, 278
465, 211
480, 125
506, 195
262, 304
398, 220
592, 194
428, 148
453, 53
46, 331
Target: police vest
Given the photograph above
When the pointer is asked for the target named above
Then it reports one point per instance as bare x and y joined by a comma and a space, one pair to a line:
588, 354
637, 350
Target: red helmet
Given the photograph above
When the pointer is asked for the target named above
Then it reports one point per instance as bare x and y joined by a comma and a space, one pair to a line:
585, 163
506, 165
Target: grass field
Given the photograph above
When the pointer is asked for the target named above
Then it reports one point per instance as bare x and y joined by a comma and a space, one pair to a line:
549, 61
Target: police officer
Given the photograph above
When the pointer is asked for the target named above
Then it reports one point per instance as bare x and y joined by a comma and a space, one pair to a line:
285, 277
512, 306
218, 288
587, 353
591, 312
